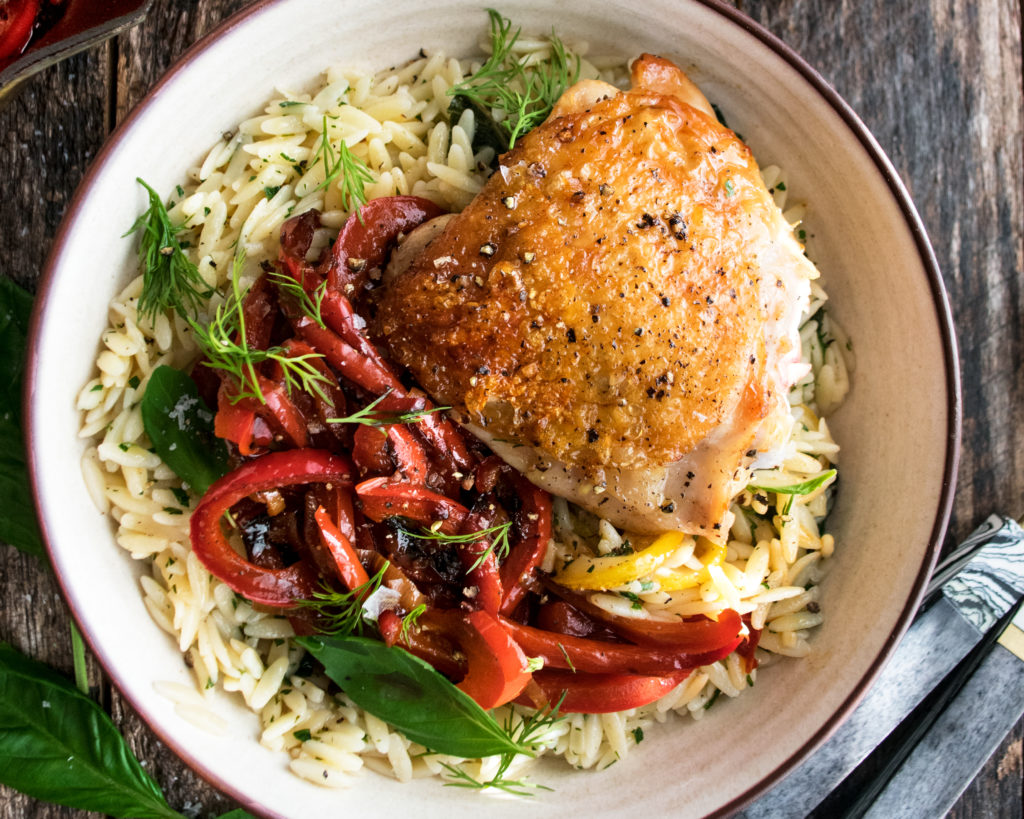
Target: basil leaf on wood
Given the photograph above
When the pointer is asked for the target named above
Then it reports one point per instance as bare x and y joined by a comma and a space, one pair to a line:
804, 488
180, 427
58, 745
18, 525
410, 695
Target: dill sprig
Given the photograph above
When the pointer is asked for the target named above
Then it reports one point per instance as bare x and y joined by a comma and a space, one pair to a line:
529, 734
498, 536
342, 612
355, 174
310, 305
224, 343
170, 280
523, 92
410, 620
371, 418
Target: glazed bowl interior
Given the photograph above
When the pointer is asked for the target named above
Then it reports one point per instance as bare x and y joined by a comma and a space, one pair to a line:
897, 429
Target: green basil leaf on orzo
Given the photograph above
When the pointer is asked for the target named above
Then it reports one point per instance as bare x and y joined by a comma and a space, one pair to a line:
180, 426
58, 745
410, 695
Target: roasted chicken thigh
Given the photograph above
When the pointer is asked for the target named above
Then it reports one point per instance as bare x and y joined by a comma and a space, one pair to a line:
617, 312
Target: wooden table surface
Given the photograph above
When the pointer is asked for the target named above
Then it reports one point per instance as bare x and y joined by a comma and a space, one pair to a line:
939, 84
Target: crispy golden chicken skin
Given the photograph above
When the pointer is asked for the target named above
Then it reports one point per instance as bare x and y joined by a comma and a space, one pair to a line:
616, 311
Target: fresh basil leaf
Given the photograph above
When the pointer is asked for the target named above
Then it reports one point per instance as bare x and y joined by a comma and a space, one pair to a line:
180, 427
18, 524
804, 488
238, 813
488, 133
57, 745
407, 693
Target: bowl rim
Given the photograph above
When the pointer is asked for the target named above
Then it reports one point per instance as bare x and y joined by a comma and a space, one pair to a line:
897, 189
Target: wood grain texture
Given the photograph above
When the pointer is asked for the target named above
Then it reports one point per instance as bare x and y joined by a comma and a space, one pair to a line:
938, 83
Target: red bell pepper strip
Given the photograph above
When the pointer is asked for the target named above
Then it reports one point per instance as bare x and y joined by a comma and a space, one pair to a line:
370, 452
354, 366
410, 457
442, 435
366, 239
259, 311
527, 554
238, 422
280, 588
496, 667
601, 693
335, 403
350, 570
283, 410
478, 561
597, 657
296, 238
383, 499
559, 617
698, 635
339, 316
427, 644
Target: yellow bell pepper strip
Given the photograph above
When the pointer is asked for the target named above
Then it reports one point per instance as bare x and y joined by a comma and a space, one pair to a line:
596, 573
711, 554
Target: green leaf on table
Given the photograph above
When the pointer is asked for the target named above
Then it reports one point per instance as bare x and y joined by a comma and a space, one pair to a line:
58, 745
410, 695
18, 524
180, 427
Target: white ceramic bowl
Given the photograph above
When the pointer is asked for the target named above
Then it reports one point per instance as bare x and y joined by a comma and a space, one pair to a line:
899, 428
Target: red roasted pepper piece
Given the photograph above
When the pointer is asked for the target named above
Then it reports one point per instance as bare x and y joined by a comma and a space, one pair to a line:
527, 554
350, 570
479, 562
383, 499
697, 635
279, 588
357, 368
366, 239
601, 693
595, 656
496, 667
238, 422
427, 644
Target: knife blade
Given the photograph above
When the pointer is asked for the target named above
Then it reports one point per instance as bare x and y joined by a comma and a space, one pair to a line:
964, 608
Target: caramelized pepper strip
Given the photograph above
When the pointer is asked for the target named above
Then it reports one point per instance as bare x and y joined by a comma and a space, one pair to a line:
366, 239
296, 239
339, 316
279, 405
278, 588
527, 554
427, 644
601, 693
350, 570
597, 657
357, 368
496, 667
479, 562
384, 499
698, 635
442, 435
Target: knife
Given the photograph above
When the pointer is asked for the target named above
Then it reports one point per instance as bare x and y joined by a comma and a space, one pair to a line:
972, 595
